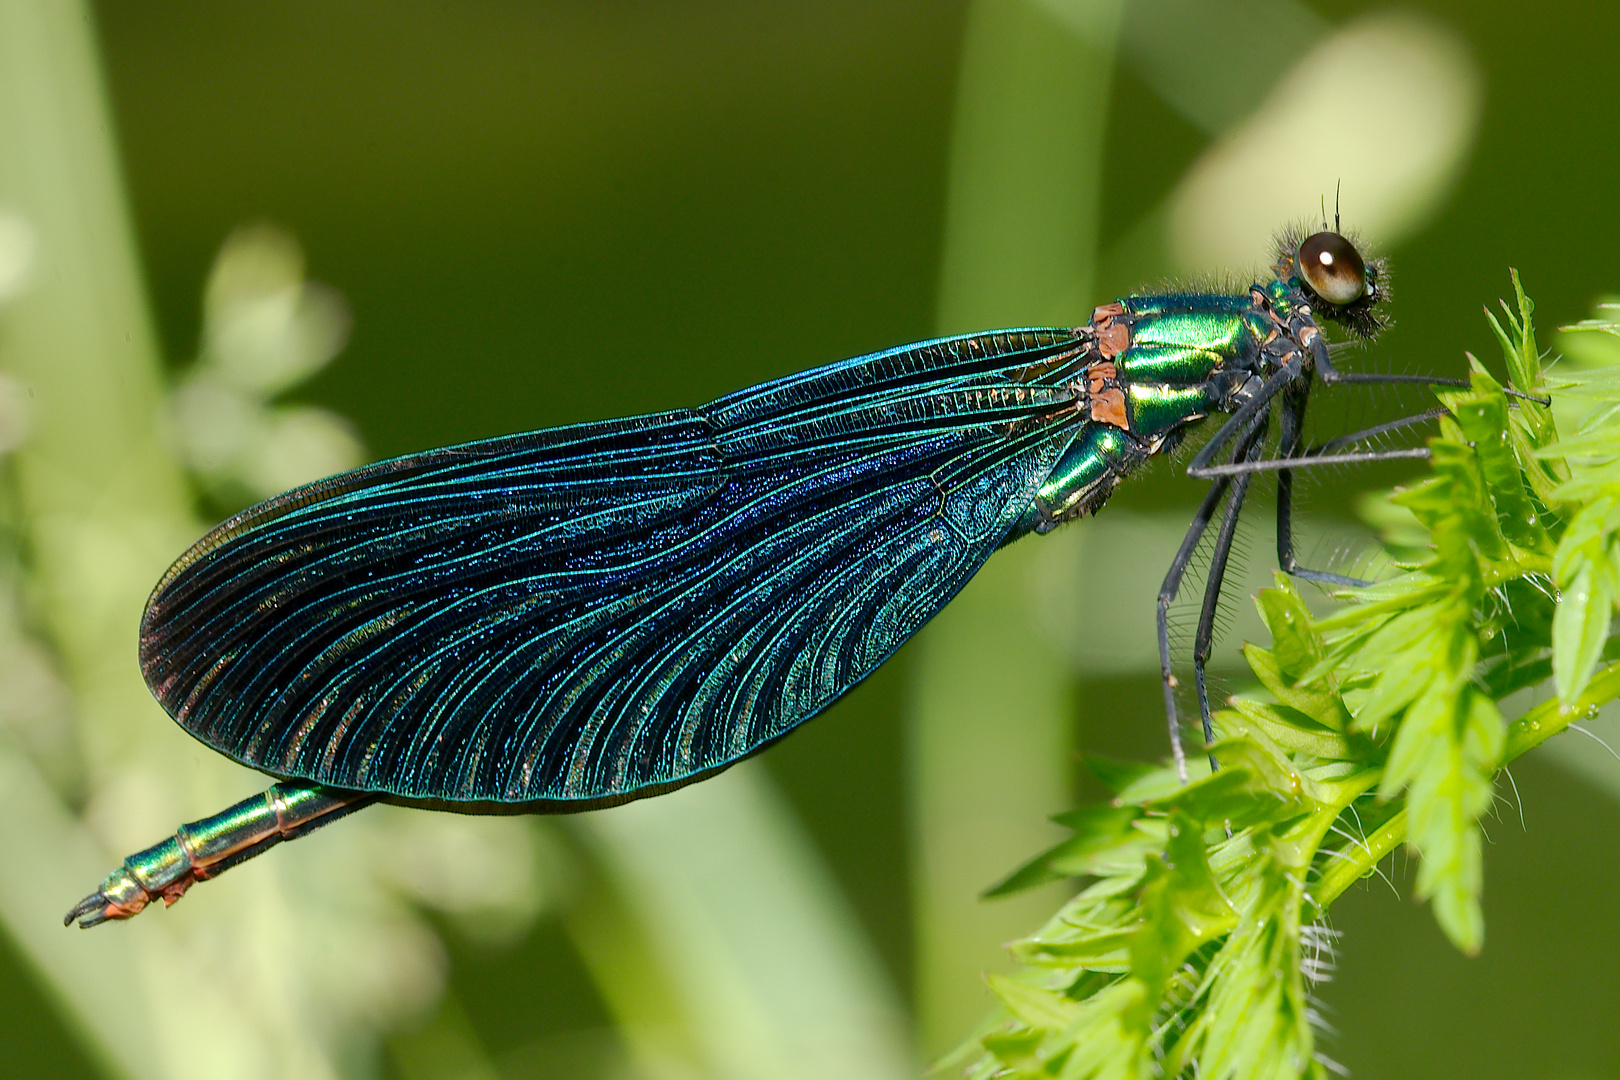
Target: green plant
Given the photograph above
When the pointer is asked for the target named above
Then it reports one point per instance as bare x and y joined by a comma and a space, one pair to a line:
1192, 946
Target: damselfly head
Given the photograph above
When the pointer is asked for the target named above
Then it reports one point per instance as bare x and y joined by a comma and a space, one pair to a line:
1340, 283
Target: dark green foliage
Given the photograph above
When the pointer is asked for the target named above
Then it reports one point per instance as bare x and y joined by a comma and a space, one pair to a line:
1193, 941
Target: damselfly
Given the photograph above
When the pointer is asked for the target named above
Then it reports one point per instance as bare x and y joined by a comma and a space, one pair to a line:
577, 617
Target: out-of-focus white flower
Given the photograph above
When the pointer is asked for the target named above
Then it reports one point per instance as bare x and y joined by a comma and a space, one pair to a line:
265, 329
300, 444
214, 424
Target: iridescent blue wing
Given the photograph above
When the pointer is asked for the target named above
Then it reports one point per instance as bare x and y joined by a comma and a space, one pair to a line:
593, 613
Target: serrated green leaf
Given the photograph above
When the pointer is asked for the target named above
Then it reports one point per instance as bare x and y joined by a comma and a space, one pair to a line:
1252, 785
1019, 1047
1274, 775
1098, 830
1447, 790
1254, 1023
1104, 823
1581, 627
1161, 783
1295, 641
1320, 743
1544, 476
1585, 540
1458, 511
1424, 728
1101, 1039
1322, 705
1105, 948
1483, 418
1385, 599
1181, 907
1393, 690
1112, 1044
1604, 442
1034, 1006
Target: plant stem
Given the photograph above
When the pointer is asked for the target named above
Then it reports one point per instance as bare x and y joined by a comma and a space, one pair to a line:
1524, 734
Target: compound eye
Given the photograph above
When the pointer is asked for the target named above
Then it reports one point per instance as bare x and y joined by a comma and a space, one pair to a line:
1333, 268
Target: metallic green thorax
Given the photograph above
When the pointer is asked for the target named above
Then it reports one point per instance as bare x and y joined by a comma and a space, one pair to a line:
1161, 363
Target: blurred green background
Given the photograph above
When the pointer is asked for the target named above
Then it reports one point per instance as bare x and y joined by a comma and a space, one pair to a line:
541, 213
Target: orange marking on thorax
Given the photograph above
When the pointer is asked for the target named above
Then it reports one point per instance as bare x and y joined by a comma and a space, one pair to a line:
1111, 332
1108, 407
1113, 338
1099, 375
1106, 398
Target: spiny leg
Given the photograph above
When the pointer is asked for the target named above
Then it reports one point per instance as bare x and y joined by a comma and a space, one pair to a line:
1245, 463
1331, 374
1172, 586
1306, 461
1288, 379
1291, 432
1289, 457
1321, 455
1167, 596
1220, 555
1378, 429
